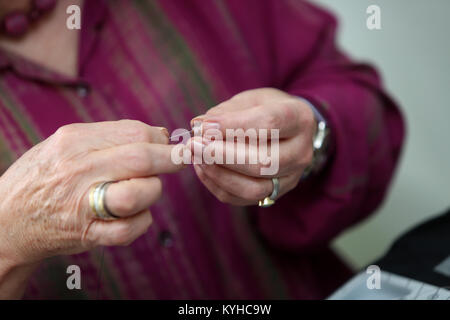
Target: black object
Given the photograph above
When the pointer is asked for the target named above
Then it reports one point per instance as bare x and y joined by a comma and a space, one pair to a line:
166, 239
417, 253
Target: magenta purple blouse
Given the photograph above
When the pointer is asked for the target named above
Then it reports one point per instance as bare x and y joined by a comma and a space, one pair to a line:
164, 62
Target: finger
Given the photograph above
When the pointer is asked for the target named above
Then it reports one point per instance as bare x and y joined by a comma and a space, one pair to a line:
290, 156
283, 116
217, 151
117, 232
240, 157
245, 99
244, 187
128, 197
223, 107
132, 161
247, 188
219, 193
102, 135
230, 105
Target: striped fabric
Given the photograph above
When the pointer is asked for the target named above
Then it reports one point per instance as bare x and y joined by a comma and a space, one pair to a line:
164, 62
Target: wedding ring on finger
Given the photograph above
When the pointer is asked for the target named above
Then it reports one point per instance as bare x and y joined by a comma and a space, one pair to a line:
97, 201
270, 200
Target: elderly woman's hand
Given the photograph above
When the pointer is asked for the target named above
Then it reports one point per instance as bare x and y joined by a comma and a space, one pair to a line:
45, 207
243, 184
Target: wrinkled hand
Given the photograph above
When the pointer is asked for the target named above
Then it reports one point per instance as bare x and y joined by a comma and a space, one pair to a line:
243, 184
45, 208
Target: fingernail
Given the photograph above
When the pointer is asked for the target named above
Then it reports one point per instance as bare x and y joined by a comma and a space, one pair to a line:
164, 131
196, 121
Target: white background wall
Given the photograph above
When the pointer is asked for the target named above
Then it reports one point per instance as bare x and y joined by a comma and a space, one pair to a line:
412, 51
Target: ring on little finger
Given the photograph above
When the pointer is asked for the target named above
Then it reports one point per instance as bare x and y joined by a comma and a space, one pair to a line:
270, 200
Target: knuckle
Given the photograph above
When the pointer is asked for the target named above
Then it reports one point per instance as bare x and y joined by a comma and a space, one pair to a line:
67, 129
137, 130
287, 111
132, 123
273, 121
241, 94
63, 137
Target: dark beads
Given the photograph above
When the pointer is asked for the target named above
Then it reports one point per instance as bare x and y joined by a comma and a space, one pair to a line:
16, 24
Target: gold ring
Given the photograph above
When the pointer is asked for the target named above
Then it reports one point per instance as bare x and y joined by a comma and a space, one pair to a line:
270, 200
266, 202
97, 201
